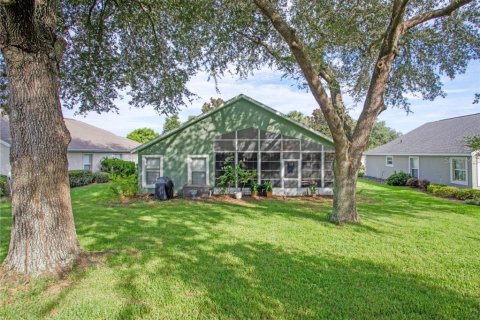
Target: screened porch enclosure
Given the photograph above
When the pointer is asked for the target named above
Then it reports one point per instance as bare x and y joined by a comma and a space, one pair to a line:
289, 163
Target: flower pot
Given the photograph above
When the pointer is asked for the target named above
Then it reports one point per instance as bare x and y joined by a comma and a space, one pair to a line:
269, 194
254, 194
238, 195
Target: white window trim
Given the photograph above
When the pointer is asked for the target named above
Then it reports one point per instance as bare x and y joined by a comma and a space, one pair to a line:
410, 168
386, 161
207, 167
144, 162
464, 183
91, 160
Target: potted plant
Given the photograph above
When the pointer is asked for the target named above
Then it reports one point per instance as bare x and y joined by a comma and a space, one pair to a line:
254, 189
243, 177
234, 175
313, 190
268, 188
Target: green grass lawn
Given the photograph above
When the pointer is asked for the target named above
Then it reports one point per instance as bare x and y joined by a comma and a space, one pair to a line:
413, 257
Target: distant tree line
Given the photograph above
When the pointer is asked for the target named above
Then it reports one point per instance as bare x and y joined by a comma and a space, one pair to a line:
381, 133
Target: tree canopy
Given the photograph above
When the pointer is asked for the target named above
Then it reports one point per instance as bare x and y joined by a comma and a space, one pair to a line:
214, 103
171, 122
142, 135
381, 133
473, 143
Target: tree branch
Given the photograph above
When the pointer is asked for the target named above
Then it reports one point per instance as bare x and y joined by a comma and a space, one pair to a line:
374, 103
149, 16
421, 18
6, 2
335, 123
265, 46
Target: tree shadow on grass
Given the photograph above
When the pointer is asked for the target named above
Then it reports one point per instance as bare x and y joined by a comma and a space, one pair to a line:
237, 278
258, 280
261, 281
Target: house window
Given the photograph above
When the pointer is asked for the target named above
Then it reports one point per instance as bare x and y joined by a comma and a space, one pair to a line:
414, 165
152, 169
198, 170
458, 170
389, 161
87, 161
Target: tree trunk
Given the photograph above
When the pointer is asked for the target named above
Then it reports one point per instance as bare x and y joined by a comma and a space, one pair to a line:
43, 237
344, 192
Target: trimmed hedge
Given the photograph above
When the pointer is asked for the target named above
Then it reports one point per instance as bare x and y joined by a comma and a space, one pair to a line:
432, 187
444, 191
398, 179
117, 167
80, 178
465, 194
3, 185
101, 177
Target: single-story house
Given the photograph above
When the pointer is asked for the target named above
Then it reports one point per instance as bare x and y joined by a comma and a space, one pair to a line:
287, 153
435, 151
89, 145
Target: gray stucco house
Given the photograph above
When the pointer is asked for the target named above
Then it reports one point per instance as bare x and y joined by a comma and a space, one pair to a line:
89, 145
435, 151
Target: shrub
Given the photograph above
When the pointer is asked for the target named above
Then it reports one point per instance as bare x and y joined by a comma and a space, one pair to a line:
80, 178
101, 177
361, 171
412, 182
446, 192
125, 186
3, 186
465, 194
117, 167
474, 201
423, 184
431, 188
398, 179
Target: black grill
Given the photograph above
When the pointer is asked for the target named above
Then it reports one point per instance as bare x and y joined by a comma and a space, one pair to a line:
163, 188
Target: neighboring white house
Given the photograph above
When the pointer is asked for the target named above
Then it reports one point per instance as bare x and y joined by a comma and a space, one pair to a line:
88, 147
435, 151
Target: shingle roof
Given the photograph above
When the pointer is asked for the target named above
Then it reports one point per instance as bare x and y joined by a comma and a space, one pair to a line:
439, 137
225, 105
85, 137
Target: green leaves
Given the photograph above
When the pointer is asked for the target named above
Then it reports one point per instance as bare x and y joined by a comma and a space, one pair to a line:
142, 135
473, 143
171, 123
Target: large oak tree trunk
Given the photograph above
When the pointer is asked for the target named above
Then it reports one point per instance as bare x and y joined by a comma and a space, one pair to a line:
43, 237
344, 190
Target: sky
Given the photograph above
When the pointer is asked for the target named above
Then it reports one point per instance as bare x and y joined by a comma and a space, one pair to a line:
267, 87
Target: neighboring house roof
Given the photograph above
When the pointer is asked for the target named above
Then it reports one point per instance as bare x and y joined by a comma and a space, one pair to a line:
85, 137
441, 137
226, 104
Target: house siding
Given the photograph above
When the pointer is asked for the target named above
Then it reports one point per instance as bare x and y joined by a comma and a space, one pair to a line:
436, 169
75, 159
4, 159
375, 166
198, 138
